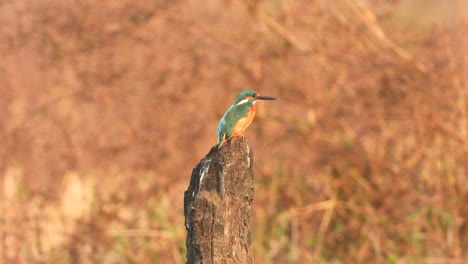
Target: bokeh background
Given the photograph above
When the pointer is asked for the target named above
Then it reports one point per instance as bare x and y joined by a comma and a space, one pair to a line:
106, 106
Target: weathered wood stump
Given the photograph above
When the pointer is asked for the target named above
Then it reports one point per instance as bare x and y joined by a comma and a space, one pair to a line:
218, 206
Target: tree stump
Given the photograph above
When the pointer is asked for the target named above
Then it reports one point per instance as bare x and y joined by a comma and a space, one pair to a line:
218, 206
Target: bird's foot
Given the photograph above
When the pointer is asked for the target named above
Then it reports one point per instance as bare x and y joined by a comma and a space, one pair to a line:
240, 135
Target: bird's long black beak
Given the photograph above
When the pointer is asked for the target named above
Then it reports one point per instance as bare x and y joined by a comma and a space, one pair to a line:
265, 97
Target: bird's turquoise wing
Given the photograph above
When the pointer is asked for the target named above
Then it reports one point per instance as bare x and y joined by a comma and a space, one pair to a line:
229, 119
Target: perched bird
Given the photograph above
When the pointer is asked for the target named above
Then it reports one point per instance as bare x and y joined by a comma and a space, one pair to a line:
239, 115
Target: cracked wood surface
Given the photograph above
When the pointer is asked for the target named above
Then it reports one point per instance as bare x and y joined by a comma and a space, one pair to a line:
218, 206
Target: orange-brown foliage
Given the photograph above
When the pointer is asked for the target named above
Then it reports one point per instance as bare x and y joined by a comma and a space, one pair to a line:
108, 105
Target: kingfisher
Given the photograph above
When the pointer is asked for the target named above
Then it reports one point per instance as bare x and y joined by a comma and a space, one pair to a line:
239, 115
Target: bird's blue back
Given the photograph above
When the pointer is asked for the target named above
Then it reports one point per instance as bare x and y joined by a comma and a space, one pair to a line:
230, 118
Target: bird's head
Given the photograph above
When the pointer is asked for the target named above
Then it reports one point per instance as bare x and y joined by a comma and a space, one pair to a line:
247, 95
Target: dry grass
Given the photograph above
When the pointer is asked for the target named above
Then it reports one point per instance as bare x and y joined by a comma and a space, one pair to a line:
108, 105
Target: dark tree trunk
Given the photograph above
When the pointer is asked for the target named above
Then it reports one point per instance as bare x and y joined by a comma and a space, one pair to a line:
218, 206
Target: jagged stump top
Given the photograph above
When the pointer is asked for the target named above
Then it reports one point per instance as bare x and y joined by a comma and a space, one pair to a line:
218, 206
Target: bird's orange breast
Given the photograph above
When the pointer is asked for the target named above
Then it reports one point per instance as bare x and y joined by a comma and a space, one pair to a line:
243, 123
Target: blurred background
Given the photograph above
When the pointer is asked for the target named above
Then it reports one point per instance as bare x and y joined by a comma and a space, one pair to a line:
106, 107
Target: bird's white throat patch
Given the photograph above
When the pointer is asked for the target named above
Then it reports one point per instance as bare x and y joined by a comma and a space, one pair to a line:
243, 101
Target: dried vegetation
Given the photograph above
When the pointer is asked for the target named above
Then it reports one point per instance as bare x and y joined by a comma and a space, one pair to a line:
107, 106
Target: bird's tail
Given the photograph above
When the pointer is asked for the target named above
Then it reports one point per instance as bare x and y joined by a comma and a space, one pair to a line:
221, 140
